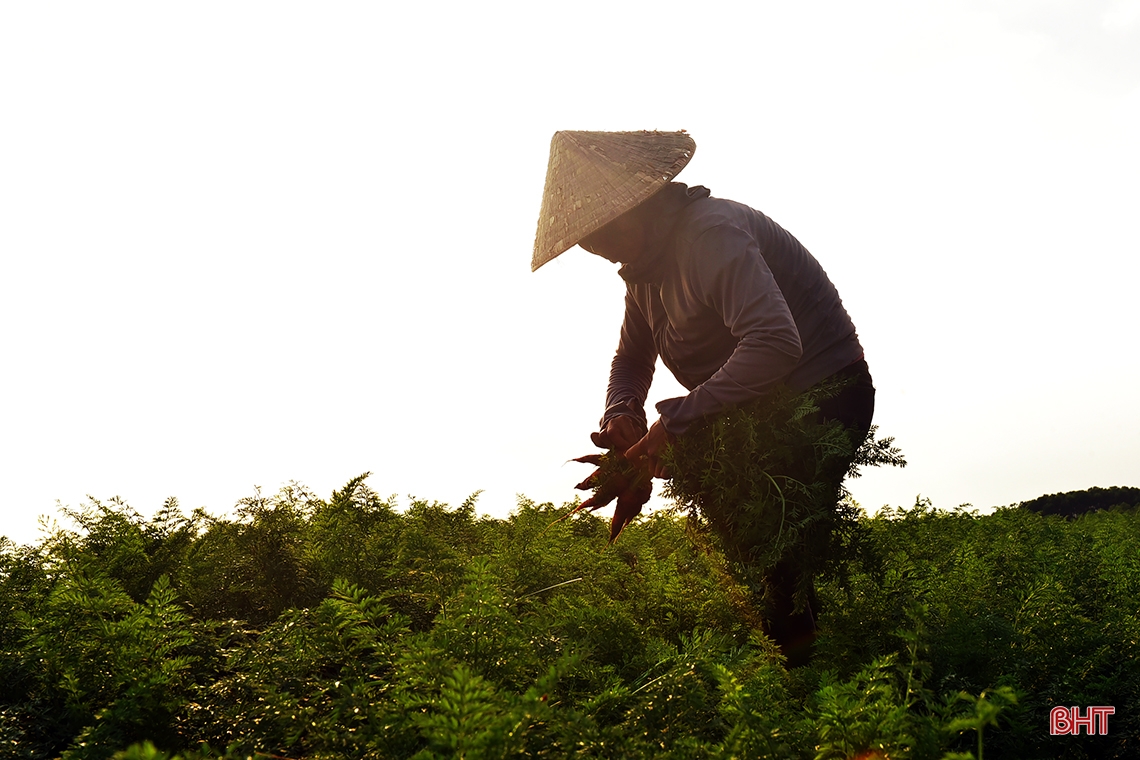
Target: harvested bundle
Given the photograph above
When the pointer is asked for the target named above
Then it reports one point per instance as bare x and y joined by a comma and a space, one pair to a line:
766, 478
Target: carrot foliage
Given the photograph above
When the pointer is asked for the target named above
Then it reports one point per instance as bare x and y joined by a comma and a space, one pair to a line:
354, 626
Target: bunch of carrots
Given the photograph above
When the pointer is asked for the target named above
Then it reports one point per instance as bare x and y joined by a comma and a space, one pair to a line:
615, 478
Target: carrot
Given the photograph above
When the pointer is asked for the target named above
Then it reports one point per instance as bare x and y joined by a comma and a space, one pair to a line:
615, 478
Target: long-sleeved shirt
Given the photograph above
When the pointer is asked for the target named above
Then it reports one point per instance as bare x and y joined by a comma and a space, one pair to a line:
733, 304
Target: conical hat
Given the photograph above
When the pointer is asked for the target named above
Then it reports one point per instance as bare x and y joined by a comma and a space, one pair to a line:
595, 177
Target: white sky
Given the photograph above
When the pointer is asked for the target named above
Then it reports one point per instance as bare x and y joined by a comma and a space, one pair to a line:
248, 243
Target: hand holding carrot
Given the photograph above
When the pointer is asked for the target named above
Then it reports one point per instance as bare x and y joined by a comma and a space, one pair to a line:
625, 472
648, 450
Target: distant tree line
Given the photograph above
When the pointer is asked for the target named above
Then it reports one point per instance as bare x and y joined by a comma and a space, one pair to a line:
1073, 503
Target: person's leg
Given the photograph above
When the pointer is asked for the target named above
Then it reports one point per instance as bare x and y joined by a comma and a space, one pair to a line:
795, 632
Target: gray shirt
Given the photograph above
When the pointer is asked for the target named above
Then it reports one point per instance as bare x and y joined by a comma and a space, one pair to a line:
733, 304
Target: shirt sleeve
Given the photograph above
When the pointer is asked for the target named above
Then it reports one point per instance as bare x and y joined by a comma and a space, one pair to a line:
728, 274
632, 369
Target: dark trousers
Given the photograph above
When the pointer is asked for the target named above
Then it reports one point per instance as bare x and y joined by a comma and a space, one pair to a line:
795, 631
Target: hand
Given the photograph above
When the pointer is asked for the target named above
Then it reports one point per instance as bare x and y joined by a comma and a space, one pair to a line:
619, 434
650, 448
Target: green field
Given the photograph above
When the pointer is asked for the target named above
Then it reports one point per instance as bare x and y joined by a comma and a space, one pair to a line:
345, 628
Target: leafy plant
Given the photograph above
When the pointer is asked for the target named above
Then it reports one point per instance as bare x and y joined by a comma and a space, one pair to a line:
434, 632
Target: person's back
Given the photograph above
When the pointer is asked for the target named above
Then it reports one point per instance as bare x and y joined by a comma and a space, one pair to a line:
734, 304
827, 334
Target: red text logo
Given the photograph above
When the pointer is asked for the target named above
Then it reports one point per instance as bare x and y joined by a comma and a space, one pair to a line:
1069, 720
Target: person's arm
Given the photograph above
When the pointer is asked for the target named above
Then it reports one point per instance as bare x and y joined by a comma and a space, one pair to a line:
631, 373
729, 275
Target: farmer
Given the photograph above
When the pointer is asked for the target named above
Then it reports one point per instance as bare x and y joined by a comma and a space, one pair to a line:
732, 303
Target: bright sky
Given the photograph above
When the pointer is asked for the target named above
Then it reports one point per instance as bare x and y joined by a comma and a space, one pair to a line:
247, 243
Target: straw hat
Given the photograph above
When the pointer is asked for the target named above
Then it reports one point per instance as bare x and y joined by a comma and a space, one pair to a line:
595, 177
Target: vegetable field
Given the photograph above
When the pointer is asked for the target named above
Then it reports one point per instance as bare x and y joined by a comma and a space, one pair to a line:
344, 627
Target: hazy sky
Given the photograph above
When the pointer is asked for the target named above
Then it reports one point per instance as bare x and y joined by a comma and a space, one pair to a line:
248, 243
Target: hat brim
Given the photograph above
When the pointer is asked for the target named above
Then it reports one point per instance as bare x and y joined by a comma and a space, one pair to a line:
593, 178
